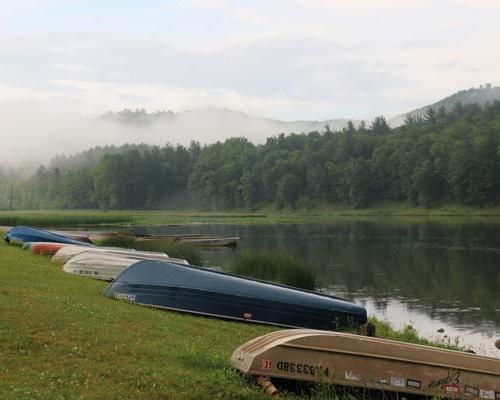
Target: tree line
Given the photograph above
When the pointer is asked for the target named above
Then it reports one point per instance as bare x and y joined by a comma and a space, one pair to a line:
441, 156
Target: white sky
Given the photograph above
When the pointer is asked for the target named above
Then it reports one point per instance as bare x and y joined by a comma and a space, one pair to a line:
291, 60
295, 59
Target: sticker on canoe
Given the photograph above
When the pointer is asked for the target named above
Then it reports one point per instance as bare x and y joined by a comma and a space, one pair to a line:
452, 389
247, 315
266, 364
471, 391
125, 296
487, 394
413, 383
453, 378
352, 376
397, 382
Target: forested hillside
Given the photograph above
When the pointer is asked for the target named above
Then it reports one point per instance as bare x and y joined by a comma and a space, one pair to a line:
482, 95
441, 157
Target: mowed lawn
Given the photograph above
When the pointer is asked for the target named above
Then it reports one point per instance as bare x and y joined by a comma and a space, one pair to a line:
60, 338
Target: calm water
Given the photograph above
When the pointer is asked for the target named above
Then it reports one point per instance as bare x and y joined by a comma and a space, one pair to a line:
428, 274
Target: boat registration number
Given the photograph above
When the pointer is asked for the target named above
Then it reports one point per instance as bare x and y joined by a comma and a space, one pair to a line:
305, 369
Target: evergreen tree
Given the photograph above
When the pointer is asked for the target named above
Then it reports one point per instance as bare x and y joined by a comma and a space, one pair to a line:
379, 126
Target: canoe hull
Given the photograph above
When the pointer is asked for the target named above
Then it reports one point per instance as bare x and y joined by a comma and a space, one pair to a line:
46, 248
107, 265
27, 234
98, 265
202, 291
372, 363
68, 252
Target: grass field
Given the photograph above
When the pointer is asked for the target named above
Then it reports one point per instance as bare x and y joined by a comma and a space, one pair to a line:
67, 218
62, 339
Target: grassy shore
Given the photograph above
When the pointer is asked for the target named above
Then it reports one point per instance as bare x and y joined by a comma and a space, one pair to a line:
66, 218
62, 339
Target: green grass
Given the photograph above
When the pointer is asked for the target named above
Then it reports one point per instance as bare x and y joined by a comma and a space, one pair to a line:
63, 218
409, 335
273, 266
265, 215
62, 339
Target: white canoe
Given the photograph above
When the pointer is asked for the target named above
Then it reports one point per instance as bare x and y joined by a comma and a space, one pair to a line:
105, 266
68, 252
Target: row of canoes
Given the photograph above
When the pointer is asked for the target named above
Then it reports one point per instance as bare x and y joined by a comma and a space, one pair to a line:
157, 280
23, 234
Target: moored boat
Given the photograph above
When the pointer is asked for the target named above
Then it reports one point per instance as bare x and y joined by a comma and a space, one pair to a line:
212, 241
167, 237
81, 236
203, 291
194, 240
370, 363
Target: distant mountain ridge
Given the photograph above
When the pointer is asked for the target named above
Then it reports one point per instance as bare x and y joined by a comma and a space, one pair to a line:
212, 117
482, 95
223, 123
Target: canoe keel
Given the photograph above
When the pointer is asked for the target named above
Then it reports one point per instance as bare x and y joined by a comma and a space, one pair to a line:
371, 363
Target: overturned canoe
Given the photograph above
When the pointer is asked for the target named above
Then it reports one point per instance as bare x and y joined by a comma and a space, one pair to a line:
98, 265
371, 363
66, 253
203, 291
26, 234
46, 248
104, 266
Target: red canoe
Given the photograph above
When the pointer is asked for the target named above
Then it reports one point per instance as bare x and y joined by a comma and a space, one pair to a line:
46, 248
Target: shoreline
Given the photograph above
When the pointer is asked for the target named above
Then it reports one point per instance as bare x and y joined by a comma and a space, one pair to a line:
94, 218
66, 338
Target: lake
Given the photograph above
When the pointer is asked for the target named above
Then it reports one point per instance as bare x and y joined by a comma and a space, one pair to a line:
431, 274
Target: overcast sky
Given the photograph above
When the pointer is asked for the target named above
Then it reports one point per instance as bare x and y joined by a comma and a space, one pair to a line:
295, 59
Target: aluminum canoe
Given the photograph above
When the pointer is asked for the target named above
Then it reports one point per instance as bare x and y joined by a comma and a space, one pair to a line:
103, 265
372, 363
68, 252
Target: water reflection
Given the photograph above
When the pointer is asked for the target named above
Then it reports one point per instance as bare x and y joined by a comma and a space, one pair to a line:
448, 272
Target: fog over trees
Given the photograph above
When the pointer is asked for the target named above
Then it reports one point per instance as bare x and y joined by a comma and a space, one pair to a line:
440, 156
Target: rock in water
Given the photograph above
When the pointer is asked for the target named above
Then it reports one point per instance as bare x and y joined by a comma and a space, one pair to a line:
497, 344
440, 330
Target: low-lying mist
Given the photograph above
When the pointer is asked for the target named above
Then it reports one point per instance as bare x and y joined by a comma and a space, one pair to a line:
33, 135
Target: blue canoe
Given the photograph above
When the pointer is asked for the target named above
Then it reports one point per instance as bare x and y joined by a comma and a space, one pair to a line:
26, 234
202, 291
